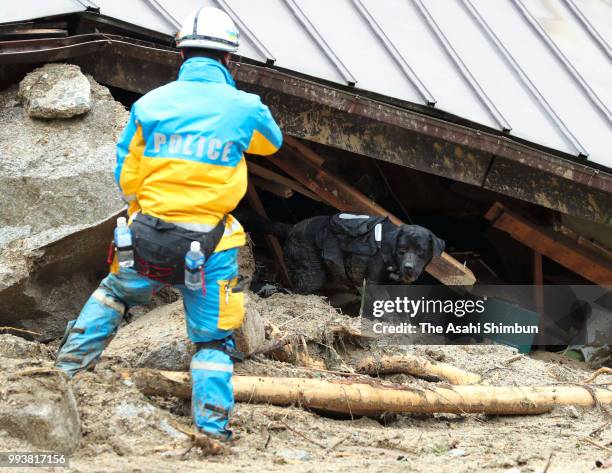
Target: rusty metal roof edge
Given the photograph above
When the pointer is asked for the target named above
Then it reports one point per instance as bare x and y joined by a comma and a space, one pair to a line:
500, 145
340, 99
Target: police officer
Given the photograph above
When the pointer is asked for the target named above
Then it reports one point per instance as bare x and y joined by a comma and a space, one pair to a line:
180, 164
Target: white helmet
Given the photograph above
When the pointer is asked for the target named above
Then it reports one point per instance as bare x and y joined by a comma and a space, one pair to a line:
208, 28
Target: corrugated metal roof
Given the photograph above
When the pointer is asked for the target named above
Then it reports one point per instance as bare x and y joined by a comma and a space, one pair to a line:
539, 69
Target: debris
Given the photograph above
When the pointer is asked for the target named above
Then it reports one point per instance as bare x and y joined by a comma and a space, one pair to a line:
595, 444
251, 336
18, 330
557, 247
206, 444
417, 367
37, 405
60, 202
17, 348
279, 190
603, 463
548, 463
55, 91
272, 176
594, 376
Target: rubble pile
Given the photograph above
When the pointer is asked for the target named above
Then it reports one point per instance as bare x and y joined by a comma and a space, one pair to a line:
120, 426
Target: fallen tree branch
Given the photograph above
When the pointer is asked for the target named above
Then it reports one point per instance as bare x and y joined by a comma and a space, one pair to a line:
415, 366
596, 374
358, 398
209, 446
595, 444
19, 330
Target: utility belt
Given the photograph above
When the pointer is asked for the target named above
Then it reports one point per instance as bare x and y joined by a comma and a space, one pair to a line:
222, 345
160, 247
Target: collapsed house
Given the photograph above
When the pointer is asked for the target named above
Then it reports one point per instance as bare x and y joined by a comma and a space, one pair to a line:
433, 113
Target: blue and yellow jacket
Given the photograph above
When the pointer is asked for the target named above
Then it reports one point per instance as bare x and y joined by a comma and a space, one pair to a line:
180, 157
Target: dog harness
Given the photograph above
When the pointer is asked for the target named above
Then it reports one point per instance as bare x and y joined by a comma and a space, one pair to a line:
348, 242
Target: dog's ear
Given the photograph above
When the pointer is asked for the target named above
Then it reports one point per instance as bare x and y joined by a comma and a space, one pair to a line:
437, 244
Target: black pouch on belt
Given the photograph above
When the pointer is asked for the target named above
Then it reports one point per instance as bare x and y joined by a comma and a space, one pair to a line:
160, 247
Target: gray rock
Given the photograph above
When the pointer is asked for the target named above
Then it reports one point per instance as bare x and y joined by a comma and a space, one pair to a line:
55, 91
294, 455
18, 348
159, 340
59, 204
37, 405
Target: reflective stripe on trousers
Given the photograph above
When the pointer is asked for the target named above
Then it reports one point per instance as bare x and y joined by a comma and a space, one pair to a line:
212, 397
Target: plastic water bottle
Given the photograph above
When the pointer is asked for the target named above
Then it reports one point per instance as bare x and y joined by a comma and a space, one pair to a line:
123, 243
194, 261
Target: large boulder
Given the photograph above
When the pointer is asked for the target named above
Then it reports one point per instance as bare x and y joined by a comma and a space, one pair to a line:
60, 201
55, 91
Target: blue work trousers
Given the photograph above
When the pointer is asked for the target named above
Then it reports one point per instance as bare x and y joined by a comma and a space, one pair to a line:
210, 315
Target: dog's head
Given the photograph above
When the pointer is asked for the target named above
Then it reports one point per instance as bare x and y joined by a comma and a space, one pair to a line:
416, 246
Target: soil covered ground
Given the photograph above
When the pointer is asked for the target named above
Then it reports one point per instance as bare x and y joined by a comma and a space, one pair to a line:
123, 430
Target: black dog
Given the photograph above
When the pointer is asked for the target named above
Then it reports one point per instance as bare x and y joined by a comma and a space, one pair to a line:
346, 249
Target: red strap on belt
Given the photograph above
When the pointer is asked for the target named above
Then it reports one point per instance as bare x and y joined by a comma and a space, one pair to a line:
111, 253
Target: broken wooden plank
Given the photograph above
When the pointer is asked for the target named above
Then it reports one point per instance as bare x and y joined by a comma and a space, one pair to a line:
297, 147
275, 246
265, 173
375, 398
278, 190
344, 197
590, 265
593, 246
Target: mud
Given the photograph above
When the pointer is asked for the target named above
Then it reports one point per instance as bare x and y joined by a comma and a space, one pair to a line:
123, 431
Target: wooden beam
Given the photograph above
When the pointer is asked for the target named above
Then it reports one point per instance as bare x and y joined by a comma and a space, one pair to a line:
270, 175
373, 398
345, 197
275, 246
277, 189
297, 147
588, 264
